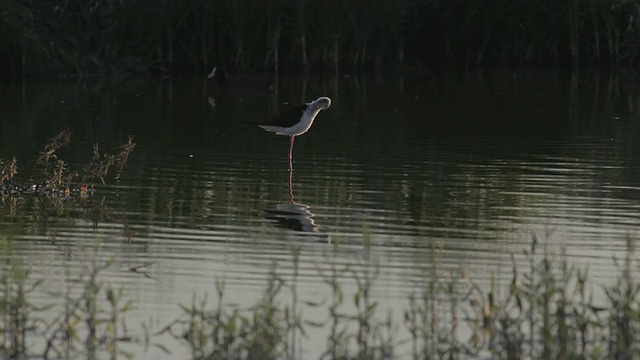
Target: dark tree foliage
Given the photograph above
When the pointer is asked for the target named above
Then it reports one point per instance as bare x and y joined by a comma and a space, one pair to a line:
118, 38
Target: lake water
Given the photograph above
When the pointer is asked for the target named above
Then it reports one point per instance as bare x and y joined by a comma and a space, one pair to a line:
458, 170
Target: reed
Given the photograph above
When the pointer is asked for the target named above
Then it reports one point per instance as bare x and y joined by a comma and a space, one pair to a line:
84, 325
142, 37
55, 177
545, 311
262, 332
18, 314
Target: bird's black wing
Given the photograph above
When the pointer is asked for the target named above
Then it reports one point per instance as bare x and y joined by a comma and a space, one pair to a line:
287, 118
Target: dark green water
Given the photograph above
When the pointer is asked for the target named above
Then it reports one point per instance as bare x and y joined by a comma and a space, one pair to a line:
463, 167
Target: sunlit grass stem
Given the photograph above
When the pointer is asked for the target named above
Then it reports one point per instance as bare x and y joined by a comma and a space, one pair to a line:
546, 311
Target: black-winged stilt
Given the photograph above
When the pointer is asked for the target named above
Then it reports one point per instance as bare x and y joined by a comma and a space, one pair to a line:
295, 121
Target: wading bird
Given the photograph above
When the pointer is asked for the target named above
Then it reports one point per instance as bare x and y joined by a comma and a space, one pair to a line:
295, 121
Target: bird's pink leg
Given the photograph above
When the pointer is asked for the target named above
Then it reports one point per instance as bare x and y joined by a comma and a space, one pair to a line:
290, 153
291, 187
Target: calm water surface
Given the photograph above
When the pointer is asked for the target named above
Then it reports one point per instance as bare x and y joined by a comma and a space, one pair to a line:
460, 169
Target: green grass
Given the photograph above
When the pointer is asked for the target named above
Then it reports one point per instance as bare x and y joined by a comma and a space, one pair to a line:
89, 321
547, 311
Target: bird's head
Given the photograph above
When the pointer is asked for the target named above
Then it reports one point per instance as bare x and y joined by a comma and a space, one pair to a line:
322, 103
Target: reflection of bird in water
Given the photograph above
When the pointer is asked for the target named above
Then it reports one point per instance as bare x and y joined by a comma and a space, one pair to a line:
296, 121
292, 216
295, 216
212, 102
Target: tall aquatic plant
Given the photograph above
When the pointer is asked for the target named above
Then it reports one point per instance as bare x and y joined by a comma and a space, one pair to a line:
117, 39
545, 310
19, 316
261, 332
84, 325
92, 322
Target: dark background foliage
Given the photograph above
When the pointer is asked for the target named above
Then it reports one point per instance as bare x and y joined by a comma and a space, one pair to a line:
121, 38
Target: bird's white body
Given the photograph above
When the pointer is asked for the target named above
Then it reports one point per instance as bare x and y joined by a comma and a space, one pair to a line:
305, 121
296, 121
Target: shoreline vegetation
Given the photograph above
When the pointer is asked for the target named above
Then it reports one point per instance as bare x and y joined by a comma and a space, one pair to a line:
119, 39
53, 176
546, 311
